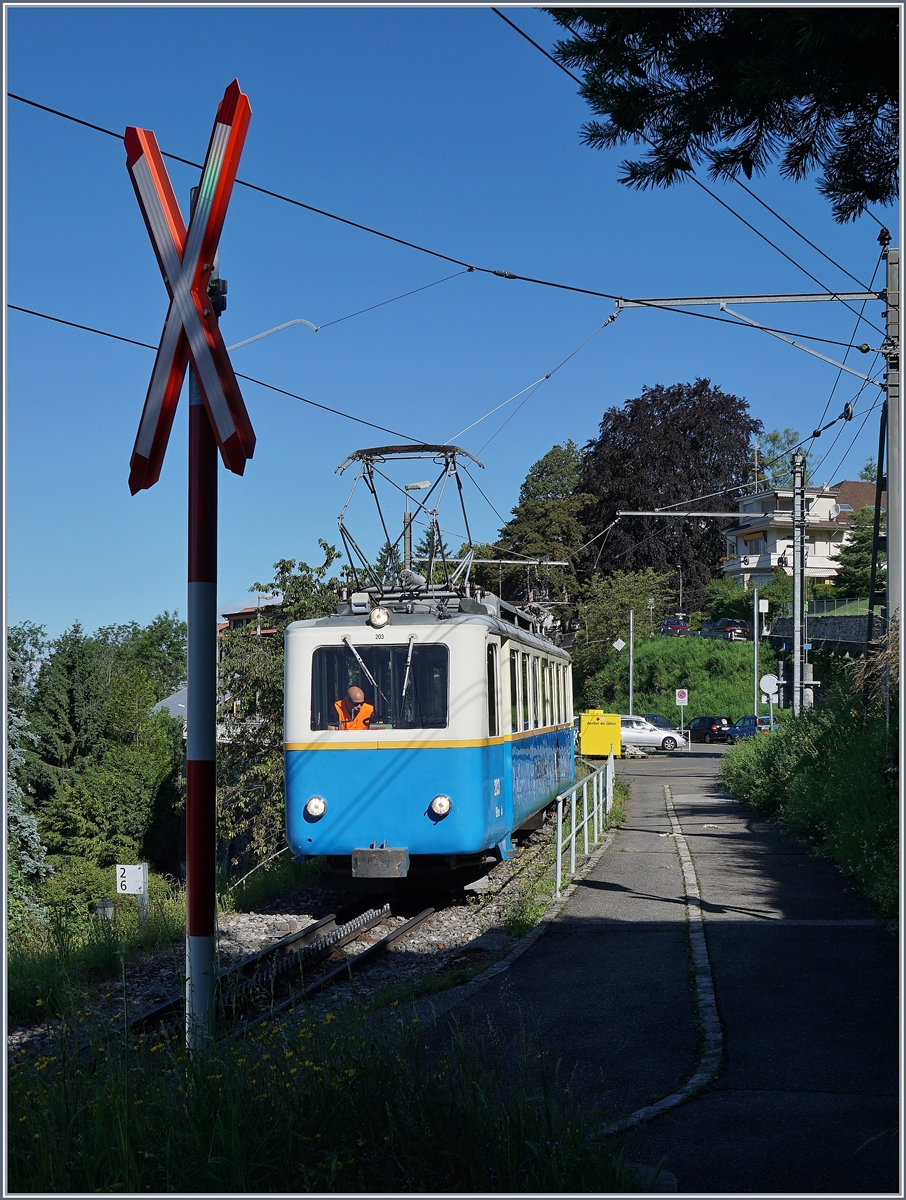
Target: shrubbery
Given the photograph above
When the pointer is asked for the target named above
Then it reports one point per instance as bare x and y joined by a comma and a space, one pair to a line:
718, 674
830, 775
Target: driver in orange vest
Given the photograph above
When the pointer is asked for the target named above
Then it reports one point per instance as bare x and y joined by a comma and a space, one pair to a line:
352, 711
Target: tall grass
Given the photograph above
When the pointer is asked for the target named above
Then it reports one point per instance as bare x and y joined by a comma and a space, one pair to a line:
831, 776
51, 961
338, 1105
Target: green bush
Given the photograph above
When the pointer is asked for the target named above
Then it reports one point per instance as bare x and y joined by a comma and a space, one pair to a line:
718, 674
830, 775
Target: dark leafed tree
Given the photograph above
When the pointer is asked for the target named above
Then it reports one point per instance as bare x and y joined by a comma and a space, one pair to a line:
734, 88
668, 445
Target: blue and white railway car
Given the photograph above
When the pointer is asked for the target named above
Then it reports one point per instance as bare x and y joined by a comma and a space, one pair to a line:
470, 738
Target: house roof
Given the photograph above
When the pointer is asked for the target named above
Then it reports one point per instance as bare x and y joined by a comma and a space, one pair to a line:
858, 493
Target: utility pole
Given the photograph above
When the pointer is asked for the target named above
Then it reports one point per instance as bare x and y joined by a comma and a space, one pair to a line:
798, 470
407, 536
631, 657
873, 591
755, 646
894, 434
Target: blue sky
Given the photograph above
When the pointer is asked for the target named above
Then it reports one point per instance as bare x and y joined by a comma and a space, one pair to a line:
440, 126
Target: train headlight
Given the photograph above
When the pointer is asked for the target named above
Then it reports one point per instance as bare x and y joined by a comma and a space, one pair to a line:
440, 805
379, 618
316, 807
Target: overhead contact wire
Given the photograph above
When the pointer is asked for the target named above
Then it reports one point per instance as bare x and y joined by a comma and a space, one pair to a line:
250, 378
692, 177
458, 261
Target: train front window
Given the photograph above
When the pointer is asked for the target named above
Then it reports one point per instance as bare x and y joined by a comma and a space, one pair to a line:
407, 685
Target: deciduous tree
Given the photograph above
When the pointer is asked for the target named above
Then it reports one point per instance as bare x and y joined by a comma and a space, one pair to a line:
250, 756
667, 446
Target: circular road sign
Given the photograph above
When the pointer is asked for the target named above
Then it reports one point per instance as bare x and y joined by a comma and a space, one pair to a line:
769, 684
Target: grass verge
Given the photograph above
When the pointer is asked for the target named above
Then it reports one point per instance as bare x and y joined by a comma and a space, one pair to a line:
345, 1104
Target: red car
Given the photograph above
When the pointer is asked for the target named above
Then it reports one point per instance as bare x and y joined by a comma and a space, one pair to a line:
674, 628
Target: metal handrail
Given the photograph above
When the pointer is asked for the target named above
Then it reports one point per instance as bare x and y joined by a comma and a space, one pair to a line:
601, 803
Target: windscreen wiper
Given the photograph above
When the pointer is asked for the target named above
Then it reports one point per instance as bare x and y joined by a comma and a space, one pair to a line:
374, 682
406, 677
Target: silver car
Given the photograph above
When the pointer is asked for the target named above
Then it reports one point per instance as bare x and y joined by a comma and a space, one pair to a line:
636, 731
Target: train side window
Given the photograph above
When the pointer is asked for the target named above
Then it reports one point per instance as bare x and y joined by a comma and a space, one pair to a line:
536, 706
525, 691
514, 692
545, 693
492, 690
560, 709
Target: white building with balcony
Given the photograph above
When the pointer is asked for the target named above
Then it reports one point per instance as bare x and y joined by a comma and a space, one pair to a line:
762, 538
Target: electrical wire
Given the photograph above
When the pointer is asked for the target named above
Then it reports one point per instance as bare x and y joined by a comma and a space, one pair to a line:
690, 175
249, 378
815, 469
850, 446
514, 413
533, 387
566, 287
739, 487
392, 300
852, 340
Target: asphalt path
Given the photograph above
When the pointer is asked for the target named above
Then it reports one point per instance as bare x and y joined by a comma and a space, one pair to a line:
806, 983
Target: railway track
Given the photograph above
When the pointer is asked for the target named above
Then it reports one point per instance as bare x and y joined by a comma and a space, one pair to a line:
296, 967
290, 970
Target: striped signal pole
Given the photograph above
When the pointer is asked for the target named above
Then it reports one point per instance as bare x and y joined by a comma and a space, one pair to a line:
217, 420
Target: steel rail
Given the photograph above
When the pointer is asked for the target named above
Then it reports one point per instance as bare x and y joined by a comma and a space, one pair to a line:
353, 963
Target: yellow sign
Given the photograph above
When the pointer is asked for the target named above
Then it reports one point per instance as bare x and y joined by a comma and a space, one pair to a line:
599, 733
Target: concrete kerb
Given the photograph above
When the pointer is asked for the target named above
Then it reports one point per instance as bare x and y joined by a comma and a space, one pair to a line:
704, 990
433, 1009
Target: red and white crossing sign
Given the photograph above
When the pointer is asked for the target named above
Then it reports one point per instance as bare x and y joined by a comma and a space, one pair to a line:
186, 259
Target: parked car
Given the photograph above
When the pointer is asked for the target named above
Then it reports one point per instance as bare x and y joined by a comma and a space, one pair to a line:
660, 722
731, 629
747, 727
674, 628
709, 729
636, 731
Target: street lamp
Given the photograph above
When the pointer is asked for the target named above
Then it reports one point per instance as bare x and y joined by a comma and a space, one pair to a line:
104, 908
650, 615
